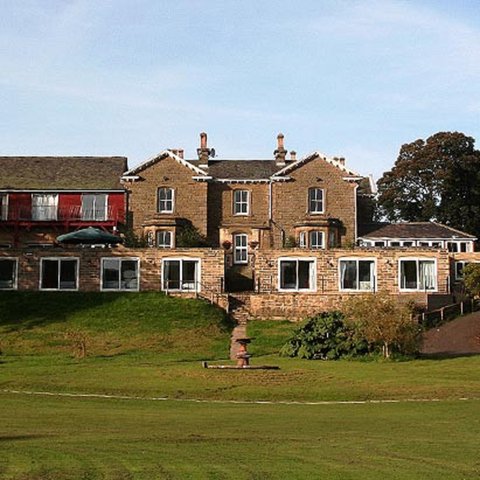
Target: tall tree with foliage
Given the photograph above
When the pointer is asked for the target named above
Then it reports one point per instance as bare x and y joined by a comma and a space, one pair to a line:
436, 179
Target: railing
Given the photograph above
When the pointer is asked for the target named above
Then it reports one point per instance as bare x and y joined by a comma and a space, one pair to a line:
59, 214
437, 317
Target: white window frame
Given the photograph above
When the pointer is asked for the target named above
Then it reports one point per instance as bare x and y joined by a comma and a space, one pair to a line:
302, 239
15, 281
59, 260
35, 207
241, 249
313, 275
417, 260
164, 245
95, 211
316, 233
309, 199
197, 287
120, 289
172, 200
3, 206
241, 204
357, 260
465, 263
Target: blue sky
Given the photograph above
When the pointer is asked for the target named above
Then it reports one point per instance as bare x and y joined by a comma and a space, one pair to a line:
347, 78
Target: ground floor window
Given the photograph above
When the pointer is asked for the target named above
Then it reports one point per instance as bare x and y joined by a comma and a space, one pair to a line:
297, 274
418, 274
240, 248
181, 274
164, 239
356, 274
8, 273
59, 274
120, 274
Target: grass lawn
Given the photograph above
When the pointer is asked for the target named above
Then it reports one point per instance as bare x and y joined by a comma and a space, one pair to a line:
150, 345
51, 438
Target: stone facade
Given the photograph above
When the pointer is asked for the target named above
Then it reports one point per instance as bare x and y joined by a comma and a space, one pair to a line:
267, 300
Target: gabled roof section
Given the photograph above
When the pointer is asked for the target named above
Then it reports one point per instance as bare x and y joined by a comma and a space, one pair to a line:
417, 230
242, 169
61, 173
157, 158
312, 156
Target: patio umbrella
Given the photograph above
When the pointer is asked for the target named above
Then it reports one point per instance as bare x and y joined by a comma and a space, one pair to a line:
89, 236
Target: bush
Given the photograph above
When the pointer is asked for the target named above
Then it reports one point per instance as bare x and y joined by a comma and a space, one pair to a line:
325, 336
190, 237
471, 279
384, 322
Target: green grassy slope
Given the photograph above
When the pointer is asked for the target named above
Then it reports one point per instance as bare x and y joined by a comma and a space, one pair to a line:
113, 324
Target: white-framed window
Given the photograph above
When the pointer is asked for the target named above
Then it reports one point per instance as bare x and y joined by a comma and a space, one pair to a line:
357, 274
460, 266
44, 206
59, 273
8, 273
240, 248
120, 274
166, 200
417, 274
164, 239
316, 200
94, 207
302, 239
297, 274
458, 246
3, 206
317, 239
241, 202
181, 274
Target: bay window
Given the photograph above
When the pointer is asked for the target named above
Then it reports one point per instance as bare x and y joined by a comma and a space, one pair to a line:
317, 239
164, 239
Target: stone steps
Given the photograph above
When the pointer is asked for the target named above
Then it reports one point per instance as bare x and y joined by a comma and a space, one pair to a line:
240, 312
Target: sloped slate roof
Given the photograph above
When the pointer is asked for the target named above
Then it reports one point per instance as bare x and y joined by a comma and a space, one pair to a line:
417, 230
241, 169
62, 173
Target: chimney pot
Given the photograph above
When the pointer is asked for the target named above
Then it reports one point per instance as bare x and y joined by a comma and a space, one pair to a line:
203, 140
341, 160
280, 152
293, 156
280, 138
177, 151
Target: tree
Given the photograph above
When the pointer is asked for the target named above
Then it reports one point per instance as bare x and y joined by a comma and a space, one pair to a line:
471, 279
383, 322
437, 179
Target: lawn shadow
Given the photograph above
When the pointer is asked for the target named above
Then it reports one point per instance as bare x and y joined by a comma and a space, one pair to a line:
446, 355
27, 310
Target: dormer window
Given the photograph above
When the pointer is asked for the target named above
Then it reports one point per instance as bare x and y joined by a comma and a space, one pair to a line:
165, 200
316, 200
241, 201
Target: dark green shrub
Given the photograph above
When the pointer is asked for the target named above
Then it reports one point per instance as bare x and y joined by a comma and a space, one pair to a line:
325, 336
190, 237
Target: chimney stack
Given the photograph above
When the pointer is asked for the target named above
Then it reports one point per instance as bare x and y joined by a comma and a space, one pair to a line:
203, 152
177, 151
341, 161
280, 153
293, 156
